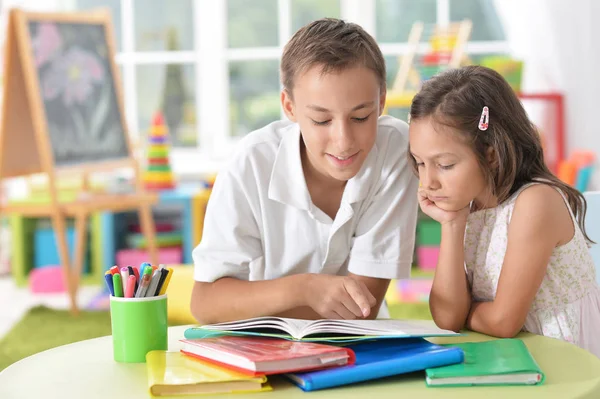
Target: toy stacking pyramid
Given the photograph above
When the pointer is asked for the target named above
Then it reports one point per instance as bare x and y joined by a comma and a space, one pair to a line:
158, 175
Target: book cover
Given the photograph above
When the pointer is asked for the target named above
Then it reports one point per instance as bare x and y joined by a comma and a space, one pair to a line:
380, 358
324, 330
495, 362
172, 373
267, 355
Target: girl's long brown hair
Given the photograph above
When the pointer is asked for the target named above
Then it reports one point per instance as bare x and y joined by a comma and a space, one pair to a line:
455, 98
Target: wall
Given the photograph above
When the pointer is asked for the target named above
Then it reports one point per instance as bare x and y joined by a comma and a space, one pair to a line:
557, 40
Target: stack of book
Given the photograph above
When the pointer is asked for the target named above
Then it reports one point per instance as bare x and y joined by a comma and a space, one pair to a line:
239, 356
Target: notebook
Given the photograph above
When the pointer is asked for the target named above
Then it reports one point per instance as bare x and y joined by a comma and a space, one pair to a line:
172, 373
380, 358
321, 330
496, 362
257, 355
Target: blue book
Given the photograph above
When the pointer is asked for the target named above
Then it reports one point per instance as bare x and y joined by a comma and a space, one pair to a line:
381, 358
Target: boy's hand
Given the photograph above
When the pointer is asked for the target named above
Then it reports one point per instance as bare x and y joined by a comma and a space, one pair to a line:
440, 215
339, 297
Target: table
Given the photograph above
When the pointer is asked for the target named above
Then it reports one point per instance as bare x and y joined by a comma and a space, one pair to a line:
86, 370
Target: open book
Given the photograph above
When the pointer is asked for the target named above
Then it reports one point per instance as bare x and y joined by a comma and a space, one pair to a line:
321, 330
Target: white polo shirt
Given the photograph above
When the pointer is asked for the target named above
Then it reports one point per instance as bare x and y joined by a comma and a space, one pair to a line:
261, 224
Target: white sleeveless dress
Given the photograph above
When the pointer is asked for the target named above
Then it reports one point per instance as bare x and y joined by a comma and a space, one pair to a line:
567, 305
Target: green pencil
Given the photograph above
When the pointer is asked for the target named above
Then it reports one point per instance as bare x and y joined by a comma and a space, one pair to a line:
117, 285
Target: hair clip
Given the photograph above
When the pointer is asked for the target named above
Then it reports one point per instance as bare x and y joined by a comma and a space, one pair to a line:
408, 119
485, 119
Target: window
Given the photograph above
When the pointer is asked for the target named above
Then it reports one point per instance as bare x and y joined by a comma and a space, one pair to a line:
255, 41
212, 67
486, 24
396, 17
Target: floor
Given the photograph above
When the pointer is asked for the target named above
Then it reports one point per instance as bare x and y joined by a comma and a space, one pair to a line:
15, 301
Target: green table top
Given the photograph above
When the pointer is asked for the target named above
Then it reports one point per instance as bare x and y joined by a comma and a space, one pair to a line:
86, 370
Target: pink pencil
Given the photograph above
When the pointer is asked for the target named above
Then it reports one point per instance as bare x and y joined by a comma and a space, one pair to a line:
130, 287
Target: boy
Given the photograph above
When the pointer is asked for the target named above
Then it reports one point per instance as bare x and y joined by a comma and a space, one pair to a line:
315, 215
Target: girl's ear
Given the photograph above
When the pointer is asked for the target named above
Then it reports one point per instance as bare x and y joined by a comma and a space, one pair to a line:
288, 105
492, 158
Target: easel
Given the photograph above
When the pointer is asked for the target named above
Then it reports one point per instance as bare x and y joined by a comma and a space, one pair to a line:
25, 148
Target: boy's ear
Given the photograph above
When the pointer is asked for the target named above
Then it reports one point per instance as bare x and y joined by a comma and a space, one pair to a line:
382, 98
288, 105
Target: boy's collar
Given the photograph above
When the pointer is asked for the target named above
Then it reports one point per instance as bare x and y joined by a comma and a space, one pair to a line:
288, 185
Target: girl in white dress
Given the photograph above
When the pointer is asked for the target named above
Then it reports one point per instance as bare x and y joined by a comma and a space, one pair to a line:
514, 253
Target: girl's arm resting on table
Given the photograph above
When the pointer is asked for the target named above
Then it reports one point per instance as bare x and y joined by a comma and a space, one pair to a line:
540, 221
450, 298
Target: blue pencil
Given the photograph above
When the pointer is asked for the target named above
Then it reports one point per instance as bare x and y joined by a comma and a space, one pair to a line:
142, 267
109, 283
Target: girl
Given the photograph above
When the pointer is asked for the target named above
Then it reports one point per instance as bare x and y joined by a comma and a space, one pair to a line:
506, 220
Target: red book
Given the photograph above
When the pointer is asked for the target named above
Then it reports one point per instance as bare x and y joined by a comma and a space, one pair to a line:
257, 355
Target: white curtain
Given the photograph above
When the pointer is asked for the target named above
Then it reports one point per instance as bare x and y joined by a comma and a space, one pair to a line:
557, 39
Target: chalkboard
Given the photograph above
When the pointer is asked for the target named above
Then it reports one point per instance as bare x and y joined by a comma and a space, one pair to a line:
77, 88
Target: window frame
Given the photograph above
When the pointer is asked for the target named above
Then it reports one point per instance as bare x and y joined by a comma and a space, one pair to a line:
214, 140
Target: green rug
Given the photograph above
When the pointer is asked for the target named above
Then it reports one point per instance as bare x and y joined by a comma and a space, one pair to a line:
43, 328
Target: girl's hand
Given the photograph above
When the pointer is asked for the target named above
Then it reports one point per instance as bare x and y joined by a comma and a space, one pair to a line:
440, 215
339, 297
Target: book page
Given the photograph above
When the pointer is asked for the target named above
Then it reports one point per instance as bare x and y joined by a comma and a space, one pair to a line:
299, 328
292, 327
401, 328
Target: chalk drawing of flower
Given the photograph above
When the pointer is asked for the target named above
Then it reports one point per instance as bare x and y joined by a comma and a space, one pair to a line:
73, 76
46, 43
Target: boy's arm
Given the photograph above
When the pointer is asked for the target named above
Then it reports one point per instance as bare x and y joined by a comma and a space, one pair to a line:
539, 222
282, 297
232, 299
304, 296
377, 287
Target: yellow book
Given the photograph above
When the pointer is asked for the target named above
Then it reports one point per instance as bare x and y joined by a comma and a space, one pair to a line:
172, 373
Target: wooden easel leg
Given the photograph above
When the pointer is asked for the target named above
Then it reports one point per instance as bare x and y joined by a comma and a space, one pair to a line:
80, 241
148, 228
60, 234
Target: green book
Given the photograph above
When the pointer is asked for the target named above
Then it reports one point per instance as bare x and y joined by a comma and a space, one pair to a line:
496, 362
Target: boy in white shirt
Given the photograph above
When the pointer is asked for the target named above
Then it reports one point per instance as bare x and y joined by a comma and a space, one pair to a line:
313, 216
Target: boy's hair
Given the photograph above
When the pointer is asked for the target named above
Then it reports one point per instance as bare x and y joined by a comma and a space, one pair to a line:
455, 99
333, 45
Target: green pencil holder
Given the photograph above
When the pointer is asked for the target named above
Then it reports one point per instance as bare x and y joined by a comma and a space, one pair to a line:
139, 325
